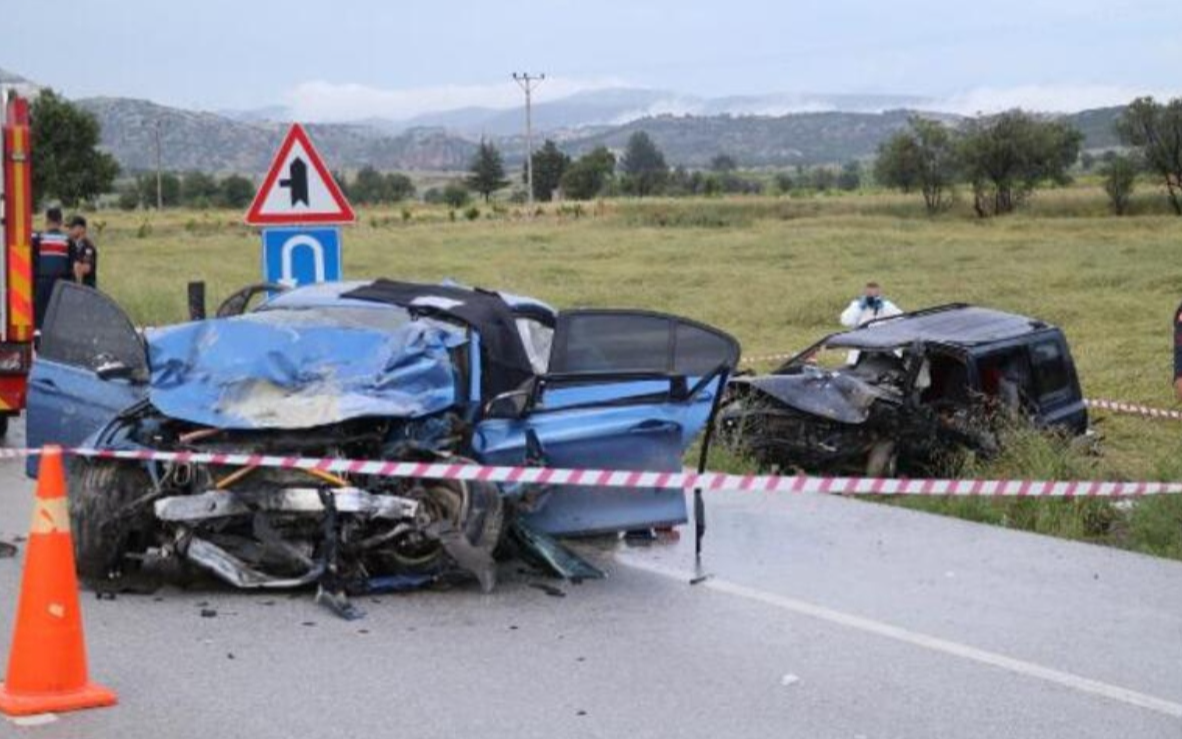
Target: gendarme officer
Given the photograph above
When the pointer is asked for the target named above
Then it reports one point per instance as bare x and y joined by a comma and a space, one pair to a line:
51, 262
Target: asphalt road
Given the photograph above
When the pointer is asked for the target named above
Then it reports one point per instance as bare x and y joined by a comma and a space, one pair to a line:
825, 617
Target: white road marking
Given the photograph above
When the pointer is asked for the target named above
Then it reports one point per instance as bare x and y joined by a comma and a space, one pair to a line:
37, 719
935, 644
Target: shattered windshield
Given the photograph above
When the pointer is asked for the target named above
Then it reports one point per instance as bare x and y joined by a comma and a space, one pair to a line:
829, 357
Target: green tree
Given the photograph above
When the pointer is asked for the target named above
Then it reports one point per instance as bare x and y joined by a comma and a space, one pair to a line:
924, 158
1006, 156
644, 165
198, 189
67, 163
823, 179
587, 176
1120, 177
487, 171
784, 183
455, 194
368, 187
235, 191
723, 163
550, 164
170, 189
850, 177
129, 196
399, 187
1156, 131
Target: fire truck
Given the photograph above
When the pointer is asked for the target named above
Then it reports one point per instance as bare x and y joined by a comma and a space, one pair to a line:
16, 266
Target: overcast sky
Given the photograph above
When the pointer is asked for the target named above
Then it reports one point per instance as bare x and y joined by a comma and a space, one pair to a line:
351, 58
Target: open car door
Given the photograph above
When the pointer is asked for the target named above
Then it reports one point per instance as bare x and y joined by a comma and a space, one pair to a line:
91, 365
624, 390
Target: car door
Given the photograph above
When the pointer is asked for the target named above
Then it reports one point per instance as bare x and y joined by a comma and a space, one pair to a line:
90, 365
625, 390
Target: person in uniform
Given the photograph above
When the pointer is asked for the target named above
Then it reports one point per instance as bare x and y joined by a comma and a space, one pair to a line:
51, 262
83, 253
1178, 353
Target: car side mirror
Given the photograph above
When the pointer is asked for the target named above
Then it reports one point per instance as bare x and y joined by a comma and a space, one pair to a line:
110, 368
511, 405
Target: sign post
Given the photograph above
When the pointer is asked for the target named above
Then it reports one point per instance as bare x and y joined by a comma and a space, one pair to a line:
300, 209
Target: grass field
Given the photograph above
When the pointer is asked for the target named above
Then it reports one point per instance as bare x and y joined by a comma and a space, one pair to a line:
776, 272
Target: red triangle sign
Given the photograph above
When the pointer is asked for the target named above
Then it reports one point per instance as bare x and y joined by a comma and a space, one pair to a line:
298, 188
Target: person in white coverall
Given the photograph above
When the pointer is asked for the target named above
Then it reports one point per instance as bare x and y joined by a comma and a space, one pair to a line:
869, 307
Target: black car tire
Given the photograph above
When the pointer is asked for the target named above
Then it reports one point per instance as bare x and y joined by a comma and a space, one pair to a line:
882, 460
103, 521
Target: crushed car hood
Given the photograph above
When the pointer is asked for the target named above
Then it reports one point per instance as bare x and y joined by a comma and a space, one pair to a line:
240, 373
833, 395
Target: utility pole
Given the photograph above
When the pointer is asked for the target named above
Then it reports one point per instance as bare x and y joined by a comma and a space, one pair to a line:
527, 83
159, 177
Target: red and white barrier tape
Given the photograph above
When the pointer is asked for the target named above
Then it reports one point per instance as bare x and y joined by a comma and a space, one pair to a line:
1133, 409
712, 481
768, 358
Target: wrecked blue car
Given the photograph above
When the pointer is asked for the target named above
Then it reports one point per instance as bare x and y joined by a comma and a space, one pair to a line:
377, 370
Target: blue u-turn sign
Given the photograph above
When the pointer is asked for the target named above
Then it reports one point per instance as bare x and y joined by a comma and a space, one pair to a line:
301, 256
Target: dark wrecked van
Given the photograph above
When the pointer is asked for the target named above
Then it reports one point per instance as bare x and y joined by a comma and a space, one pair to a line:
898, 393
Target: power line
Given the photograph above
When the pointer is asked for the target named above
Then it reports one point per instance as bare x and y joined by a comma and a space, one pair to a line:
527, 83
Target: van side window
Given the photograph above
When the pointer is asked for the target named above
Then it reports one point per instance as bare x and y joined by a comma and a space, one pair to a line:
1050, 368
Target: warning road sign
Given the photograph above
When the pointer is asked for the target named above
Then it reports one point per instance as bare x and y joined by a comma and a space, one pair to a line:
298, 188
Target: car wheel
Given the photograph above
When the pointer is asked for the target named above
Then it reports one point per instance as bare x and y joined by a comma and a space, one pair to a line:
105, 520
882, 460
4, 426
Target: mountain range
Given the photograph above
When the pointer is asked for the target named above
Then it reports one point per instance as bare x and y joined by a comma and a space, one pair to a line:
615, 106
776, 130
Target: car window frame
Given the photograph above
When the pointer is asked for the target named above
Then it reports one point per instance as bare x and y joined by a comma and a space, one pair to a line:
561, 337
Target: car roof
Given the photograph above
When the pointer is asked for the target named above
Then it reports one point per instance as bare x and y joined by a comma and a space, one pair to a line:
957, 325
330, 293
321, 293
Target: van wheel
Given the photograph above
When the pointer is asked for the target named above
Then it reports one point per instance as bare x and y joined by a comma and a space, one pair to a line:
882, 460
106, 519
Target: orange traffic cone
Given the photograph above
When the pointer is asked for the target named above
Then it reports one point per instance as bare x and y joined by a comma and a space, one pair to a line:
47, 665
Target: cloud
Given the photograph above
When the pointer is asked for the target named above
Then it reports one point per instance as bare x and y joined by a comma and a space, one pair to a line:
1041, 98
327, 101
321, 101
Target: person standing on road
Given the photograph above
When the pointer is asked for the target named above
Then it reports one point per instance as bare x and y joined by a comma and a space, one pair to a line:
51, 262
869, 307
83, 253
